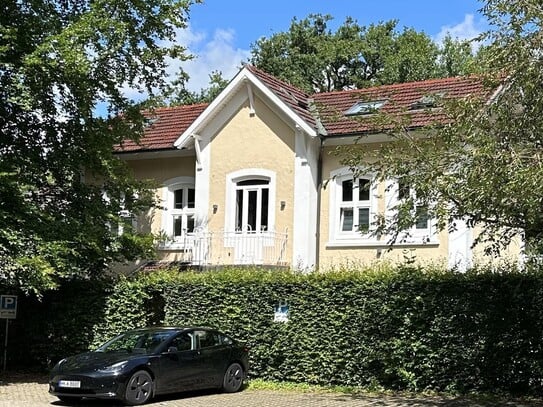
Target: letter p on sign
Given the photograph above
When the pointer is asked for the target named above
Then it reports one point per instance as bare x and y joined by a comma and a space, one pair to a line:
8, 306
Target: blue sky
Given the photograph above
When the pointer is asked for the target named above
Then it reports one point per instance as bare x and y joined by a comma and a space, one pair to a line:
220, 32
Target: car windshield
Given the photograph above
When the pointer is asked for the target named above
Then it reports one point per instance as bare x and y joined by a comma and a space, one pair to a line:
136, 341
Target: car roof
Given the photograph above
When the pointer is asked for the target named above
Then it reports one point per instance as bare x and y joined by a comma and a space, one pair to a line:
172, 328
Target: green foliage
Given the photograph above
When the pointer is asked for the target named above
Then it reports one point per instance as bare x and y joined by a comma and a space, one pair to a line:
58, 324
177, 93
483, 164
312, 57
404, 328
457, 58
400, 329
134, 303
64, 71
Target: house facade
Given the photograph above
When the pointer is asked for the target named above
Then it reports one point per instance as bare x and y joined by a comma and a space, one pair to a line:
251, 178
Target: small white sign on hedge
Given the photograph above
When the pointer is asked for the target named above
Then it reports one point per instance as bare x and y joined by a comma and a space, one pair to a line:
281, 312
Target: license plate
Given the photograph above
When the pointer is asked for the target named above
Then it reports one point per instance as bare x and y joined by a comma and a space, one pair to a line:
73, 384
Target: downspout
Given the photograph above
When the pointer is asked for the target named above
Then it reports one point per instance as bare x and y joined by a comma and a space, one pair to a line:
320, 130
319, 194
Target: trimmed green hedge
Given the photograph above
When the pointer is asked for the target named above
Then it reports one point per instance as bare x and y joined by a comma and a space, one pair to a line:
407, 328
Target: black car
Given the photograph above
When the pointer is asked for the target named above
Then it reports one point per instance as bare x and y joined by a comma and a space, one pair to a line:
139, 364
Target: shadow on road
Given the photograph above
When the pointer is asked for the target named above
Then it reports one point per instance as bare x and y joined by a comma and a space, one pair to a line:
317, 398
436, 401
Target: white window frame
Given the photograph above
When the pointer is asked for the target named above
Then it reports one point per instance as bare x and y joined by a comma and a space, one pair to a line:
117, 229
338, 237
245, 190
414, 235
232, 187
127, 217
170, 213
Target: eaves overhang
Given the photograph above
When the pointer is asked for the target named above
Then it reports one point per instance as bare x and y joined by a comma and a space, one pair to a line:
151, 154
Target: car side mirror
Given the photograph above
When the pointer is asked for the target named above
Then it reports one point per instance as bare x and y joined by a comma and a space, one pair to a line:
172, 349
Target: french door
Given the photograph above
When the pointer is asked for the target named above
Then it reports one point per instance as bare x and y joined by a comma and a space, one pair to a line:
252, 209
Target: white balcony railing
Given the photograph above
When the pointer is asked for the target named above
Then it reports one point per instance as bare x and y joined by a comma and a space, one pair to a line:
235, 248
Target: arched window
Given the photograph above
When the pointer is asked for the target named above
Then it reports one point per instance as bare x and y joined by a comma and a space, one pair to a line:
250, 201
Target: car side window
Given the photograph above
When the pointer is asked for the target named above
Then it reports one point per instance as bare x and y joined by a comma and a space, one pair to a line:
225, 340
182, 342
207, 339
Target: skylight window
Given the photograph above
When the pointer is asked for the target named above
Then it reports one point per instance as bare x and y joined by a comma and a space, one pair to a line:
428, 101
149, 121
367, 107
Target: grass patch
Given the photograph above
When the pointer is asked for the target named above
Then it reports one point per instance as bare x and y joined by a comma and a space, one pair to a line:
259, 384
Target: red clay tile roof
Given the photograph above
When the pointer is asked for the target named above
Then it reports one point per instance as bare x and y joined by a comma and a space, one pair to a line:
169, 123
399, 99
166, 125
294, 98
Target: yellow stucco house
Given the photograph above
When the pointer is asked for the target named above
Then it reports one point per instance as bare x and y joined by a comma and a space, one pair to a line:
249, 178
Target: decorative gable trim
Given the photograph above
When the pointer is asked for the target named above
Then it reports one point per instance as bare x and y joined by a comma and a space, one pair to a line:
245, 76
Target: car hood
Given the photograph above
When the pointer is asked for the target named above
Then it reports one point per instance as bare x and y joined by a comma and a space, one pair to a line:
91, 361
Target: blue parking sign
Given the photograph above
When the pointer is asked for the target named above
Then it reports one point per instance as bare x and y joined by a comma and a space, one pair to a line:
8, 306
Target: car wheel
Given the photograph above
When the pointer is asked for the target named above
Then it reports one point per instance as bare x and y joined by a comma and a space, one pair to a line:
233, 378
138, 388
69, 399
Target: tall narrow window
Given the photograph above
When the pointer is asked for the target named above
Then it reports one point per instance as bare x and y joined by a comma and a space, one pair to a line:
179, 215
422, 218
355, 205
252, 205
182, 211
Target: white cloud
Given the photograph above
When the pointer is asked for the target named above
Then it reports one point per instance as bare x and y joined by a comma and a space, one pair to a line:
466, 30
218, 54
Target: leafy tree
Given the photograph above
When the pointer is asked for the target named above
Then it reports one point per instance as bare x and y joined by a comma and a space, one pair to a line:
484, 164
456, 58
62, 189
413, 57
177, 93
312, 57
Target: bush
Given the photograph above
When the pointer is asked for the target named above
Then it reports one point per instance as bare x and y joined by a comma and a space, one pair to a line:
409, 329
404, 328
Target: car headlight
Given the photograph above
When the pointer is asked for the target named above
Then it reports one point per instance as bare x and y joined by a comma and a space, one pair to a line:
117, 367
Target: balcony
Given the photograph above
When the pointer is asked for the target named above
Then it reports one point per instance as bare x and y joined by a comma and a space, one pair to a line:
212, 249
